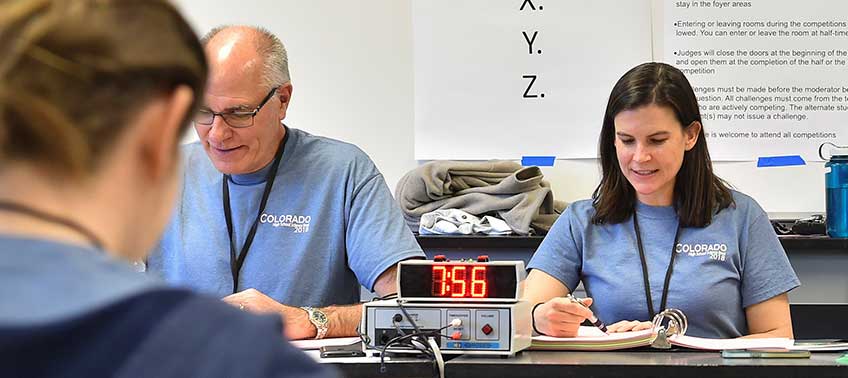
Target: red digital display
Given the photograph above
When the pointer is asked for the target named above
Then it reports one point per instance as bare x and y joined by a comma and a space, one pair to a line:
460, 281
452, 281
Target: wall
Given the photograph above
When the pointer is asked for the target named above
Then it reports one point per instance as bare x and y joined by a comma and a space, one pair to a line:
351, 64
351, 68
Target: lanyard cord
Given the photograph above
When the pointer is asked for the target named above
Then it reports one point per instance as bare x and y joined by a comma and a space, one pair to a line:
237, 260
13, 207
648, 297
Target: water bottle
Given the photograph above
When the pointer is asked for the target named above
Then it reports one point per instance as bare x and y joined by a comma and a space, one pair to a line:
836, 191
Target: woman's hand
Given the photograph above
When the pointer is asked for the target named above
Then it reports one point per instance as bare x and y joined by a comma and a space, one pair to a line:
629, 325
560, 317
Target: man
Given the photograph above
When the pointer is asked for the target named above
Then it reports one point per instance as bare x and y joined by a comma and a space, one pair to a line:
272, 217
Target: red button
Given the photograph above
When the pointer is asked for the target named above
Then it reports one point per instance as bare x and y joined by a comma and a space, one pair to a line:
456, 335
487, 329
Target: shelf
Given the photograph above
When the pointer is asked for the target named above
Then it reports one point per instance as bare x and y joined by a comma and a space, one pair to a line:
813, 242
789, 242
479, 241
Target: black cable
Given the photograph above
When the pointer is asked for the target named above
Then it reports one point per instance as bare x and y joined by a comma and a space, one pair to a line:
386, 347
385, 297
427, 350
403, 310
366, 341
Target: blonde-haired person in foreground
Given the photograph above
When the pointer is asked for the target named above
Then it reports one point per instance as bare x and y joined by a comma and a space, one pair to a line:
94, 96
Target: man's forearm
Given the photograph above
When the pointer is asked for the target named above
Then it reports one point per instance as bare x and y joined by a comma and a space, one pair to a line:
343, 320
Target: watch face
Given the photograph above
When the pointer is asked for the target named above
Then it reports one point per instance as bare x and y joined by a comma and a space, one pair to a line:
319, 317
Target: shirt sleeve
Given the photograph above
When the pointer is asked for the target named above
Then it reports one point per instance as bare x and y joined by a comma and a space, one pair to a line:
377, 237
766, 271
560, 254
200, 336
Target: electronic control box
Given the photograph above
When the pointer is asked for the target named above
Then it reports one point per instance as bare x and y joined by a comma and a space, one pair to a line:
486, 328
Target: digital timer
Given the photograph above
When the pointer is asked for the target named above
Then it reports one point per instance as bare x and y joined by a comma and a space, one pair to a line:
460, 281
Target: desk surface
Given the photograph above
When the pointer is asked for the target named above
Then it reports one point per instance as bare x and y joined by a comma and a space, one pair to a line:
612, 364
647, 364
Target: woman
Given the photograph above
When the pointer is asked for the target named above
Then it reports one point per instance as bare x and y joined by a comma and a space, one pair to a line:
94, 96
661, 230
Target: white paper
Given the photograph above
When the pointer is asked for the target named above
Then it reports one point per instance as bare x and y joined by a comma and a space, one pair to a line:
820, 347
757, 67
722, 344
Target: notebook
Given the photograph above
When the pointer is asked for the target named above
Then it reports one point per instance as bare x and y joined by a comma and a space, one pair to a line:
669, 328
592, 339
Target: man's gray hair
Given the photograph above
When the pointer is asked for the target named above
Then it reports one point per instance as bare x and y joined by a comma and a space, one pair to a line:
275, 60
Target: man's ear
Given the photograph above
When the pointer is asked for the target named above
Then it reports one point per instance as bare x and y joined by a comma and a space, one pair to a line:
691, 133
161, 123
284, 93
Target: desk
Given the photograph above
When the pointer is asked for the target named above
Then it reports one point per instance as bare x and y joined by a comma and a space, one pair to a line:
396, 366
644, 364
613, 364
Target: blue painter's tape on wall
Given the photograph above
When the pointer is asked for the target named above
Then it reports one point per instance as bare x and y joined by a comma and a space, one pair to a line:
780, 161
542, 161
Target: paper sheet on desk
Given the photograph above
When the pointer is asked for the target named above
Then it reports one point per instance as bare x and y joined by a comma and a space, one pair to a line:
316, 344
722, 344
820, 346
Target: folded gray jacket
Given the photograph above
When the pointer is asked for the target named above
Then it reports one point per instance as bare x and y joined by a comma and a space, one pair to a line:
517, 194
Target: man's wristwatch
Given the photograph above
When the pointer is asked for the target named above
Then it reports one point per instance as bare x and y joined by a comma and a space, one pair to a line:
319, 320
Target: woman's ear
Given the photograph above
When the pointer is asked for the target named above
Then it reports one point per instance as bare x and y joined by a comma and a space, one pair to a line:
162, 121
691, 134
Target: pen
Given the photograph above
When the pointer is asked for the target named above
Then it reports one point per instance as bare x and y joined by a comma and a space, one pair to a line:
594, 319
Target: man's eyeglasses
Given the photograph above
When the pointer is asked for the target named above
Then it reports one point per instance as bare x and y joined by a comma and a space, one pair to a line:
234, 119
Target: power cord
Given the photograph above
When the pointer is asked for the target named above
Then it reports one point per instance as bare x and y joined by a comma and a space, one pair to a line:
425, 342
440, 362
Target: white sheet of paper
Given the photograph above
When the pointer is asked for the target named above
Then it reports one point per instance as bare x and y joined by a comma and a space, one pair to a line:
722, 344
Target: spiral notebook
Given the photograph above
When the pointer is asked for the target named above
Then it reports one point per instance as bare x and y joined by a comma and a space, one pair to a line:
590, 338
669, 329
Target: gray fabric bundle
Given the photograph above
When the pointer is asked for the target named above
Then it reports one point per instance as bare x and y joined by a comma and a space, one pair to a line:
517, 194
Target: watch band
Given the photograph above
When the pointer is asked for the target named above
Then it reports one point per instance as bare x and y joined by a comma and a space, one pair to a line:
319, 319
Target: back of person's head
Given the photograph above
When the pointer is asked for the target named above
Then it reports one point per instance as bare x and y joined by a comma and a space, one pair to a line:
698, 192
74, 72
94, 98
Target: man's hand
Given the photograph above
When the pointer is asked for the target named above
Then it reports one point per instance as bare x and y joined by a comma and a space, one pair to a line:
297, 324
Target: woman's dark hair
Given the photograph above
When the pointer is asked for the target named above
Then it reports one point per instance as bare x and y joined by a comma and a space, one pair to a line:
73, 73
698, 192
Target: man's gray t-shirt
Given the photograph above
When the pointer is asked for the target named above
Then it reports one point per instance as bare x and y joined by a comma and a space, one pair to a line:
330, 225
735, 262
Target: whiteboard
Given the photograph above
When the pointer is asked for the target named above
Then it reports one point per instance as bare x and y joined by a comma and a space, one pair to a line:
475, 63
769, 74
766, 73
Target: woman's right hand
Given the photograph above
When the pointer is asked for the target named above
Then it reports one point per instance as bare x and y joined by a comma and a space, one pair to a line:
559, 317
